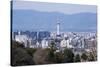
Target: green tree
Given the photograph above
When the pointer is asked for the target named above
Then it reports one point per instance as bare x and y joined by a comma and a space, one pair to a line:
53, 46
51, 54
19, 56
68, 56
84, 56
91, 57
77, 58
31, 51
15, 44
58, 57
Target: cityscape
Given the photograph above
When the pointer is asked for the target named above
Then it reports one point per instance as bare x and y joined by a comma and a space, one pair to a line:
42, 39
35, 47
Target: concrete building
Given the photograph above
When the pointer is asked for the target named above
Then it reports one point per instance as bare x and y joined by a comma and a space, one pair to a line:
22, 39
44, 43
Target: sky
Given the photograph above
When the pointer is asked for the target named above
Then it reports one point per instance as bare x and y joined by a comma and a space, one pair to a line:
54, 7
30, 15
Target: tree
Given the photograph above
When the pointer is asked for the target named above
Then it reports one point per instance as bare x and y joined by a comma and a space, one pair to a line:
77, 58
15, 44
19, 56
51, 54
68, 56
84, 57
31, 51
91, 57
58, 57
53, 46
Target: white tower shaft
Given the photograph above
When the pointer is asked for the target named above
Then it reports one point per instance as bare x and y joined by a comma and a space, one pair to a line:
58, 28
19, 33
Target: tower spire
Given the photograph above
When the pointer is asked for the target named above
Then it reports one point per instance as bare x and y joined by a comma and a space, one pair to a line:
58, 27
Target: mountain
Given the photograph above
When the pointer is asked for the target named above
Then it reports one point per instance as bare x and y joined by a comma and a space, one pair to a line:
36, 20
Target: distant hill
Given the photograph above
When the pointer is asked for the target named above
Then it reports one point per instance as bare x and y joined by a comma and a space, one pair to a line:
36, 20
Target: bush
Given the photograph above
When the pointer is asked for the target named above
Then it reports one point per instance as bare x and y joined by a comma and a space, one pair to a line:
84, 57
58, 57
77, 58
20, 57
68, 56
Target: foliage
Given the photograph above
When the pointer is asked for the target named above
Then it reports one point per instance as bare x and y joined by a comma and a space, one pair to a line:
19, 55
77, 58
16, 45
68, 56
91, 57
84, 56
31, 56
58, 57
30, 51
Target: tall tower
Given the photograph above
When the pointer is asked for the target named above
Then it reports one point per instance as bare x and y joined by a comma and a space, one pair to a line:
19, 33
58, 36
58, 28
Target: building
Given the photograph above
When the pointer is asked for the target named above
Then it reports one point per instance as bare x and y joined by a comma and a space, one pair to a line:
22, 39
44, 43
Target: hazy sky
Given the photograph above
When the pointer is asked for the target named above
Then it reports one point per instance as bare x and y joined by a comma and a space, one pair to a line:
54, 7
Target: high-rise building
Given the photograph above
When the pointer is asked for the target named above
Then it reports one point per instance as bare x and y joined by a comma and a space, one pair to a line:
45, 43
22, 39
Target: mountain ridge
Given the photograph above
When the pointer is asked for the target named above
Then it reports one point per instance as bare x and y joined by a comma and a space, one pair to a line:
36, 20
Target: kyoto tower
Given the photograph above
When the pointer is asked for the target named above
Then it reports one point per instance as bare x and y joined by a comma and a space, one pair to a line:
58, 28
